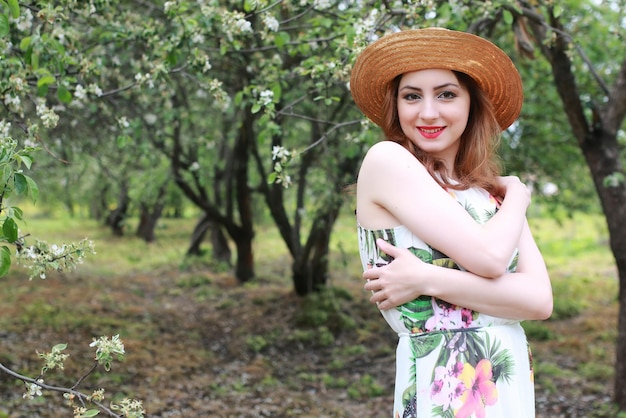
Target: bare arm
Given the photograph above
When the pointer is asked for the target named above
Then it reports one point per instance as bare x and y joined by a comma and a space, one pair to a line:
525, 294
394, 188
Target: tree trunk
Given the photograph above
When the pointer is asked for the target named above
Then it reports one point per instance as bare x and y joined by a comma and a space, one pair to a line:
97, 207
310, 267
597, 138
150, 215
148, 220
219, 242
117, 216
244, 234
600, 152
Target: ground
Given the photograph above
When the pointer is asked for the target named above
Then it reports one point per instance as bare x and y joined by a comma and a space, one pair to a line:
199, 344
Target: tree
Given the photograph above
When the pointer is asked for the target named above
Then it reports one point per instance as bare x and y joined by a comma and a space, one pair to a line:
593, 95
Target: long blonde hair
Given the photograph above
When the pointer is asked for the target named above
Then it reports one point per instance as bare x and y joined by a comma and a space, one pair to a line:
477, 163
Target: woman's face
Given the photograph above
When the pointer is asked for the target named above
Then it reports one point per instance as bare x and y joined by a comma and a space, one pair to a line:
433, 109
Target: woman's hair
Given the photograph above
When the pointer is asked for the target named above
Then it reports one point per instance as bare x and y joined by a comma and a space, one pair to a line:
476, 164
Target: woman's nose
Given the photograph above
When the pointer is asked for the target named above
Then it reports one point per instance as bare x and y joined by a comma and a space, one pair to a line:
429, 109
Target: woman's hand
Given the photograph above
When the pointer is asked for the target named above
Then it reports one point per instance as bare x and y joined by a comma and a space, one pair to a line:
512, 186
398, 282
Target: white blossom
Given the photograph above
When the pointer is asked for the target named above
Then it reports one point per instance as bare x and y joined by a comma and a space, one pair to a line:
266, 97
10, 100
48, 117
279, 152
123, 122
5, 127
25, 22
168, 5
80, 93
207, 65
198, 38
150, 118
32, 390
95, 89
243, 25
271, 23
322, 4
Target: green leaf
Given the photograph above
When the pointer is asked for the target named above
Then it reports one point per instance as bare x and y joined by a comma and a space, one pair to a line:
249, 5
64, 94
277, 90
33, 189
508, 17
5, 260
45, 80
255, 108
9, 229
59, 347
4, 25
281, 39
271, 178
25, 159
25, 43
18, 213
90, 413
34, 61
15, 9
21, 185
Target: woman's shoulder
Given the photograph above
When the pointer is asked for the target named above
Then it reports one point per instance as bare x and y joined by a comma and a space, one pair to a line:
389, 153
387, 146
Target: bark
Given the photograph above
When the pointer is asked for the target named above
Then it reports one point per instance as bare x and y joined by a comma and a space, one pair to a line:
148, 219
149, 215
117, 217
219, 243
310, 269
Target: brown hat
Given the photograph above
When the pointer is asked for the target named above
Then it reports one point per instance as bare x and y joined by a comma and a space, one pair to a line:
420, 49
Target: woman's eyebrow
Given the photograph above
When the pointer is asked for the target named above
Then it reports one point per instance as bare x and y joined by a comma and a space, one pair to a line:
443, 86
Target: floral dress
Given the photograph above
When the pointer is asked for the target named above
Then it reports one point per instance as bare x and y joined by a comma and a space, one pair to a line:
453, 362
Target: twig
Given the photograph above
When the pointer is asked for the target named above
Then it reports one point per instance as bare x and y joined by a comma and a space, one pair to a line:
81, 396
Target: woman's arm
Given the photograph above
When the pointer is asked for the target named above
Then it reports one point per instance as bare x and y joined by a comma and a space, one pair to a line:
394, 188
525, 294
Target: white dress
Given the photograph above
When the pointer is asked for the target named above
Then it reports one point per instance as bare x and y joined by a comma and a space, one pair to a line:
451, 361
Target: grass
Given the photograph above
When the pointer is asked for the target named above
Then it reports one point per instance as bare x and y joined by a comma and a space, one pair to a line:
164, 305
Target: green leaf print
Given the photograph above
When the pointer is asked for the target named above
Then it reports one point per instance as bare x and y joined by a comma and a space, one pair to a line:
422, 254
446, 262
469, 208
386, 235
423, 346
440, 413
415, 313
408, 395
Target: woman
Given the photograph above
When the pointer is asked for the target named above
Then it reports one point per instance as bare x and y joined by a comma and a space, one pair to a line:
466, 269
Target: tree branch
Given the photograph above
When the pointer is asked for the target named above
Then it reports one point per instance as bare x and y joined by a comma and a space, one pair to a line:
81, 396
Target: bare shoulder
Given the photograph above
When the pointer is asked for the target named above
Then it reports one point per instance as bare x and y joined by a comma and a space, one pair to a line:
387, 157
384, 149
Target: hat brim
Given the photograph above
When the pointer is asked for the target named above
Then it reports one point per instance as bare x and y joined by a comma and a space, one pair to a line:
420, 49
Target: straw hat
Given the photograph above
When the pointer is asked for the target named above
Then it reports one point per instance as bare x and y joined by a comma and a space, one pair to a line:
420, 49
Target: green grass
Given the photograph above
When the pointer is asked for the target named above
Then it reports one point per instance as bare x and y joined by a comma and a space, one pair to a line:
582, 328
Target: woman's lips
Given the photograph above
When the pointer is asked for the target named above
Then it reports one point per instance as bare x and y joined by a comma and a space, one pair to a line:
431, 132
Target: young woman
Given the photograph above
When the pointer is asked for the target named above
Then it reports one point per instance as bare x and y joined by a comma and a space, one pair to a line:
466, 269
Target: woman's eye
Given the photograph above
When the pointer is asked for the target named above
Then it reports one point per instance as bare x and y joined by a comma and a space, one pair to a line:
411, 96
447, 95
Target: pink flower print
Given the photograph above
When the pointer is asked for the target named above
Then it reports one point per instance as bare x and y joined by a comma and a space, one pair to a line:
467, 316
479, 391
447, 316
447, 388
